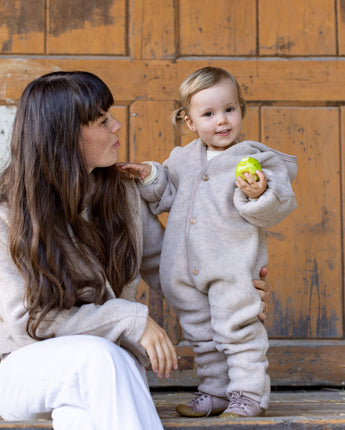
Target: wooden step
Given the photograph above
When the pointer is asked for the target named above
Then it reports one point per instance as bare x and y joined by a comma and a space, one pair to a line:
288, 410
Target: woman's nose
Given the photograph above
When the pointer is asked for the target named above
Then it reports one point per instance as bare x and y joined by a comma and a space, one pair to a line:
116, 126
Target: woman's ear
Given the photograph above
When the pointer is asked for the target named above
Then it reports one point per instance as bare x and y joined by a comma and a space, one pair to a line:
189, 123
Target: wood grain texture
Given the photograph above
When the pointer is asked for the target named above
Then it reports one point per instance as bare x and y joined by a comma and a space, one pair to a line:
22, 27
217, 28
87, 28
297, 27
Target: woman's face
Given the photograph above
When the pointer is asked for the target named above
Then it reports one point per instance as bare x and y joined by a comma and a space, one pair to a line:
99, 142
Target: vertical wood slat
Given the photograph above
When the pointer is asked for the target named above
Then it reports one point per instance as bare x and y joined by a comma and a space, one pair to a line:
81, 27
152, 138
305, 249
152, 29
22, 27
342, 165
297, 27
220, 27
341, 26
151, 135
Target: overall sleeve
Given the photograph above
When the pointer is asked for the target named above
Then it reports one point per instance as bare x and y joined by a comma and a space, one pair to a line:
278, 201
161, 194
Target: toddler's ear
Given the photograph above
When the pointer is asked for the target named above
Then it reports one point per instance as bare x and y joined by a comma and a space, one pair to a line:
189, 123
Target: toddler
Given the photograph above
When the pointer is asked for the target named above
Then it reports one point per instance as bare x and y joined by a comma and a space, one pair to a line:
214, 242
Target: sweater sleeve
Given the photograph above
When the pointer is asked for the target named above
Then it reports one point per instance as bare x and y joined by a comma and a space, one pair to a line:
112, 320
278, 201
153, 232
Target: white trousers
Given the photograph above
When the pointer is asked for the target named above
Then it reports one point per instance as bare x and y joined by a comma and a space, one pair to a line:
84, 382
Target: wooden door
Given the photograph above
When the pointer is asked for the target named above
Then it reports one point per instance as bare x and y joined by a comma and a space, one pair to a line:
288, 59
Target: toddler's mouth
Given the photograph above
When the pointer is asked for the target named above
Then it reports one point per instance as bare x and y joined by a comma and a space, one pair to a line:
223, 132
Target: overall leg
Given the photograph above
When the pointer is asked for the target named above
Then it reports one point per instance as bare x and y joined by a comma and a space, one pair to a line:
242, 337
193, 310
80, 379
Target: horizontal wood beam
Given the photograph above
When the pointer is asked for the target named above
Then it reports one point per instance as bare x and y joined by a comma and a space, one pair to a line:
292, 363
268, 80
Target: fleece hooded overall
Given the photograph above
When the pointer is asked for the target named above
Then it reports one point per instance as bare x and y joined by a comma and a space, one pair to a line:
214, 246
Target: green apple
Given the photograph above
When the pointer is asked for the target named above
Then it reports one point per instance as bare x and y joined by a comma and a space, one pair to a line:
248, 165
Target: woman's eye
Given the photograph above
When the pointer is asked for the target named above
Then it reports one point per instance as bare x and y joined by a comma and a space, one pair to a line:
104, 121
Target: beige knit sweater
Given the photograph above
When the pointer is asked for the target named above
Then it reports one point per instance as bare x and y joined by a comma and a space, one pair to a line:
121, 320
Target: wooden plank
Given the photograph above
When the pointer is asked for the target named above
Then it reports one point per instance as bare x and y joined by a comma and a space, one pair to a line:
152, 138
220, 27
297, 27
341, 26
87, 27
22, 27
152, 29
292, 363
305, 250
296, 410
151, 135
293, 410
251, 124
342, 152
298, 82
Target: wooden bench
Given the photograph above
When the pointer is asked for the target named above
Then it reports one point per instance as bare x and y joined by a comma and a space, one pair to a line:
289, 410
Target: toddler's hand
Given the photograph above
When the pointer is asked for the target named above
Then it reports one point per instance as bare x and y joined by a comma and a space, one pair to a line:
253, 189
141, 171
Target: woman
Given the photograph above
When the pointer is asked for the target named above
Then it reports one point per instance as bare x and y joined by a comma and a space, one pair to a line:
72, 233
74, 239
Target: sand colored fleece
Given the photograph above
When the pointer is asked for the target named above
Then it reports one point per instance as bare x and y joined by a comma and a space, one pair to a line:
214, 245
121, 320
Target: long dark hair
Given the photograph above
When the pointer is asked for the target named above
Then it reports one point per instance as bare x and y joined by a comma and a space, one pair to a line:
47, 189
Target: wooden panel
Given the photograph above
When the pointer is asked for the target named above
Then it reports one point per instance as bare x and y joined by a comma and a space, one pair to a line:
342, 152
151, 136
341, 26
305, 249
220, 27
87, 27
291, 363
261, 80
152, 29
22, 27
297, 27
251, 124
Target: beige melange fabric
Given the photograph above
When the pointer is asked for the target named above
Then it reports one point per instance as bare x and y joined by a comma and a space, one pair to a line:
121, 320
214, 245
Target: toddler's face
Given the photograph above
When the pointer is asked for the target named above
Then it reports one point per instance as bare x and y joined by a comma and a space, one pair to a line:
215, 114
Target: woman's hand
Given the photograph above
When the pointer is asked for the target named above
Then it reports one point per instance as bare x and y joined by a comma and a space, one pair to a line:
159, 348
265, 291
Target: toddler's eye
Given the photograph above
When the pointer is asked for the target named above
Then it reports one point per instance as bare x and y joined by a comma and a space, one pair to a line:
230, 109
208, 114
